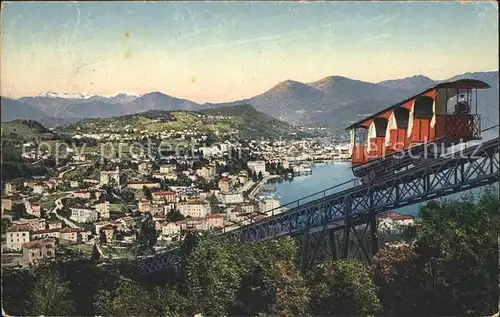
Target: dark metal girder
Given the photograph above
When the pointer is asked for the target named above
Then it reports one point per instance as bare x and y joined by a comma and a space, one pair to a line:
478, 167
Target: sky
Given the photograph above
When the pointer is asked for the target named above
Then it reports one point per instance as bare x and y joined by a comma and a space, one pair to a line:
224, 51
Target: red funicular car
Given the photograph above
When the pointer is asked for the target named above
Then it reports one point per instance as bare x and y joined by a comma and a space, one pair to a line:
442, 115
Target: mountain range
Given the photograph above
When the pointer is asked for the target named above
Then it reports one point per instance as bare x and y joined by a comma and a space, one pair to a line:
333, 101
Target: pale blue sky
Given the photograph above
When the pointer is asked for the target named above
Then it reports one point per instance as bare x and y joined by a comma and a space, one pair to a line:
221, 51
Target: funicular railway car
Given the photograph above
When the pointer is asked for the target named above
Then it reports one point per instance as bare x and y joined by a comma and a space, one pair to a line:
416, 129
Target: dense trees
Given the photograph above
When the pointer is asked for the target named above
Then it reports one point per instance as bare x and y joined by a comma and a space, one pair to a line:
344, 288
447, 266
174, 215
51, 296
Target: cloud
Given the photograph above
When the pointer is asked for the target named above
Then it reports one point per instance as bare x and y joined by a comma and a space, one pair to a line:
287, 35
374, 38
386, 20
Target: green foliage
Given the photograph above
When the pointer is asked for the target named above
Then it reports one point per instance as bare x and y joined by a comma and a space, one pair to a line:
5, 225
128, 196
147, 193
146, 237
129, 299
51, 296
344, 288
174, 215
450, 267
214, 273
459, 239
403, 279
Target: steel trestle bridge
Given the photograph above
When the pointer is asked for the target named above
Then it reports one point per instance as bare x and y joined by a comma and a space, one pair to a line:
329, 226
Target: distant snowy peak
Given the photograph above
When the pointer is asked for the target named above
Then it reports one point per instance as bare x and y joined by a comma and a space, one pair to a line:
123, 94
64, 95
84, 95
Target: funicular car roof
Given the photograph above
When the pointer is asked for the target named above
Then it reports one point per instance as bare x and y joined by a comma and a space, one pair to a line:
459, 84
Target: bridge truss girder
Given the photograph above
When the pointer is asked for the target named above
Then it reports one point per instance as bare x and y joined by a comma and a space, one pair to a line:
476, 166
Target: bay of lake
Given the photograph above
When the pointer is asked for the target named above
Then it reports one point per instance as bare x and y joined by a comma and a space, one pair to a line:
325, 176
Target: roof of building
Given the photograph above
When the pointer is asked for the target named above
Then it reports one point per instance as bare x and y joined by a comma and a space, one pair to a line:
164, 193
39, 243
43, 231
71, 230
109, 226
19, 228
394, 216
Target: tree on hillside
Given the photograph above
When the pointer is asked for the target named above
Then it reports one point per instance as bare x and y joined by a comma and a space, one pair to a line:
458, 240
95, 255
214, 272
277, 288
403, 280
147, 193
343, 288
51, 296
128, 196
102, 237
174, 215
129, 299
146, 237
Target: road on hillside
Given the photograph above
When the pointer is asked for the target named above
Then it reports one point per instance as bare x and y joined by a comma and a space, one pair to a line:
59, 206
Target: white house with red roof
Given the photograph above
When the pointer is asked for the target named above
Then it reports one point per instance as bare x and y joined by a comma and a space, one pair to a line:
388, 220
169, 197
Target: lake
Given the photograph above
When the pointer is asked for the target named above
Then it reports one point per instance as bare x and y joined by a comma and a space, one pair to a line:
326, 176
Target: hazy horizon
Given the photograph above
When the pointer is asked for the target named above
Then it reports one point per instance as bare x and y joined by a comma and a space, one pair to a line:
218, 52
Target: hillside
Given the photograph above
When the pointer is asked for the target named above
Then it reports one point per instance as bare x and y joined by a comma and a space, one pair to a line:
25, 131
14, 134
254, 124
242, 121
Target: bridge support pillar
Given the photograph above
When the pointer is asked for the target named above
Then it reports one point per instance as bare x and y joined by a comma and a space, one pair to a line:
373, 234
345, 242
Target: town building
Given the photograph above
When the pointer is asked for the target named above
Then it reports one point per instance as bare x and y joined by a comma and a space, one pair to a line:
9, 201
33, 209
194, 209
9, 188
207, 172
34, 224
165, 169
144, 167
16, 236
71, 234
257, 166
140, 185
388, 221
39, 250
224, 185
55, 225
83, 214
269, 205
215, 221
144, 205
170, 229
106, 176
46, 233
102, 207
109, 232
169, 197
231, 198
